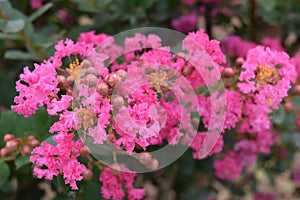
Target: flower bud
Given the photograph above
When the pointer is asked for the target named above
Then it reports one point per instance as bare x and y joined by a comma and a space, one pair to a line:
154, 164
34, 143
7, 137
86, 64
4, 153
112, 79
89, 175
239, 61
91, 70
122, 73
91, 79
111, 136
145, 158
297, 89
12, 145
102, 89
187, 70
25, 151
227, 72
71, 79
84, 151
62, 81
31, 137
288, 106
117, 101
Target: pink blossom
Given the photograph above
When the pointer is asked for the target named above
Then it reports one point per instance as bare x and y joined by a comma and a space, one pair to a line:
35, 88
57, 106
65, 17
228, 168
274, 44
185, 23
198, 142
113, 184
36, 4
235, 46
200, 39
267, 72
61, 158
91, 38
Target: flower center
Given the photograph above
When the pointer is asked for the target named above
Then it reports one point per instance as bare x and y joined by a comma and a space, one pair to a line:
265, 74
74, 67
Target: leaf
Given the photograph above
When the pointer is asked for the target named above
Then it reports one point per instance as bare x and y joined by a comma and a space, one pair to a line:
4, 172
8, 36
14, 26
40, 12
279, 116
267, 5
20, 161
20, 55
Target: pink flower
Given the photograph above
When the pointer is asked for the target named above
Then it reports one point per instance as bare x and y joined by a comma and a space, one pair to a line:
267, 72
36, 4
185, 23
35, 88
57, 106
113, 184
61, 158
236, 46
229, 168
274, 44
91, 38
65, 17
197, 144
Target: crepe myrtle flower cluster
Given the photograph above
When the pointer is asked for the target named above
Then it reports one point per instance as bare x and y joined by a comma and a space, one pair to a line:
104, 74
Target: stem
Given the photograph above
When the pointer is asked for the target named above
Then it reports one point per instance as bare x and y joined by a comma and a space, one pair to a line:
208, 20
253, 20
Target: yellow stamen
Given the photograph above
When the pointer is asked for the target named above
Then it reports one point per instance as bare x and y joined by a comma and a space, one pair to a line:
74, 67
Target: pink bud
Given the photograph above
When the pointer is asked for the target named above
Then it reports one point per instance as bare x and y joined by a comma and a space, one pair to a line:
31, 137
25, 151
187, 70
91, 70
71, 79
63, 83
34, 143
239, 61
4, 153
122, 73
154, 164
91, 79
7, 137
228, 72
117, 101
89, 175
145, 158
288, 106
112, 79
102, 89
297, 89
84, 151
86, 64
12, 145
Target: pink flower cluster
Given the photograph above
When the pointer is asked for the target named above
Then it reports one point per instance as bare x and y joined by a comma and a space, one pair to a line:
113, 183
141, 95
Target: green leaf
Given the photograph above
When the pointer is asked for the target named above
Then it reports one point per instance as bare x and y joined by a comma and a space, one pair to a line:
267, 5
40, 12
20, 55
279, 116
14, 26
4, 172
9, 36
20, 161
